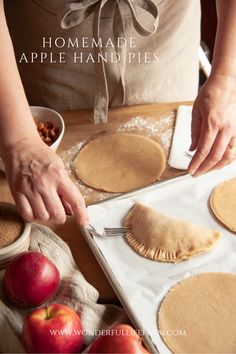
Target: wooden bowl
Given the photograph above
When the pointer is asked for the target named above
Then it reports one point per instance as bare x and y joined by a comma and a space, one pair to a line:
21, 244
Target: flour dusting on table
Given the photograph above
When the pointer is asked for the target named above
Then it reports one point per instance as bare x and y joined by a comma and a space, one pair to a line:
161, 130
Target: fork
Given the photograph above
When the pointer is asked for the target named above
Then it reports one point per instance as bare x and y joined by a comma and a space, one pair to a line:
111, 231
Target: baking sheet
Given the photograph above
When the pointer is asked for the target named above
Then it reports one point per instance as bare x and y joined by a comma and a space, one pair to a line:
145, 282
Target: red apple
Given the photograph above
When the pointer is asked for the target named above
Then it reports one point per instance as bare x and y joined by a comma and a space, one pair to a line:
118, 339
53, 329
30, 279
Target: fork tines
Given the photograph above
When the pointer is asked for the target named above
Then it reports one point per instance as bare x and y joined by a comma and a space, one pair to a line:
113, 231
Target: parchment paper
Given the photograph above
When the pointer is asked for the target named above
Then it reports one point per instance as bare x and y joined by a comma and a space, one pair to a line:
145, 282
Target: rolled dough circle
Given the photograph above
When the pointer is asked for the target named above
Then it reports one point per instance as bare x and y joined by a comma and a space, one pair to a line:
120, 162
198, 315
223, 203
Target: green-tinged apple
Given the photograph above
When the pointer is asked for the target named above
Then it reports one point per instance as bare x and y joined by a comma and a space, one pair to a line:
118, 339
53, 329
30, 279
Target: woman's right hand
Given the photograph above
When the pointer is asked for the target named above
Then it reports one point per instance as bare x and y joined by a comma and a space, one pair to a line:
40, 186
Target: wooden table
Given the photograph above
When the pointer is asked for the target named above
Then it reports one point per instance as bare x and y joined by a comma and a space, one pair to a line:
80, 128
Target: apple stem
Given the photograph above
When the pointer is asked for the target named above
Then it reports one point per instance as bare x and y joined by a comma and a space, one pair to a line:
47, 313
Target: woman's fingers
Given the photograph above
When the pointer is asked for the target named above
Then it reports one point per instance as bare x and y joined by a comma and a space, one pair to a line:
67, 207
70, 193
206, 140
47, 206
196, 127
216, 154
40, 185
31, 206
215, 107
35, 202
50, 206
229, 154
38, 207
24, 207
54, 206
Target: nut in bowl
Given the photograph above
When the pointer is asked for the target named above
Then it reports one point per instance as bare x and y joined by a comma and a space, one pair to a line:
14, 233
50, 126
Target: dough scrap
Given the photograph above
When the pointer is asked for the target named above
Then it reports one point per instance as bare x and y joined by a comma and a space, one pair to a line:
161, 237
120, 162
204, 308
223, 203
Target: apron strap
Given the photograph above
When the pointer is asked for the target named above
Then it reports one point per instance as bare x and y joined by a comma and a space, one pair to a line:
101, 100
75, 13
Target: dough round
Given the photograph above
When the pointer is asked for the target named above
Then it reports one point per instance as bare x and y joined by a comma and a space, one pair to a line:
223, 203
198, 315
120, 162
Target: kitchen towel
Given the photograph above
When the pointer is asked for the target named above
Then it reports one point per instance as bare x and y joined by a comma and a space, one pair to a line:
180, 156
74, 292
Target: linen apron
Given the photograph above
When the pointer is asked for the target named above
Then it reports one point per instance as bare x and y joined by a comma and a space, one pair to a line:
169, 31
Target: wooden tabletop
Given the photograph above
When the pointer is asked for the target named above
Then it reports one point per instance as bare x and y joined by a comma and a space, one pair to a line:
79, 128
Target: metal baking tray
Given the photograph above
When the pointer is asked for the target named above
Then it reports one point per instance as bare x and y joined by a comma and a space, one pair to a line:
108, 271
194, 205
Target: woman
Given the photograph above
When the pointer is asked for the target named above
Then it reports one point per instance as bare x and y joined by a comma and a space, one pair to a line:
159, 64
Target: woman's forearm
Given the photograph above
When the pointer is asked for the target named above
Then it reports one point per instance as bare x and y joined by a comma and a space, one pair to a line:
214, 110
224, 56
16, 121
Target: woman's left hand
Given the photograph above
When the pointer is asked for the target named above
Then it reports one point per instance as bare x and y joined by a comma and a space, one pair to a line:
214, 125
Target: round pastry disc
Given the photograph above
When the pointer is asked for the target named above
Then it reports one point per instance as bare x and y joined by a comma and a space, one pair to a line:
120, 162
198, 315
223, 203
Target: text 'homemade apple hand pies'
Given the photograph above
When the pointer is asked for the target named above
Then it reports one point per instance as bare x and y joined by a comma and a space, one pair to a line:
164, 238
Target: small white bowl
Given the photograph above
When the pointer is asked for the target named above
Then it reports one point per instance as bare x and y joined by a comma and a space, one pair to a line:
46, 115
20, 245
49, 115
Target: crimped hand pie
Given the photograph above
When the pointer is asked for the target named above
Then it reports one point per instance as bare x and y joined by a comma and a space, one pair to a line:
161, 237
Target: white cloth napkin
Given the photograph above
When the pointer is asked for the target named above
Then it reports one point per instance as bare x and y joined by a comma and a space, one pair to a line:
74, 292
182, 139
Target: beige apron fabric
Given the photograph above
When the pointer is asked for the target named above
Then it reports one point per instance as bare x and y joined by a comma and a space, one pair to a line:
171, 28
75, 13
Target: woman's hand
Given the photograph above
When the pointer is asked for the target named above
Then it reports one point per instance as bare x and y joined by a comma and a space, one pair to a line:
40, 185
214, 125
